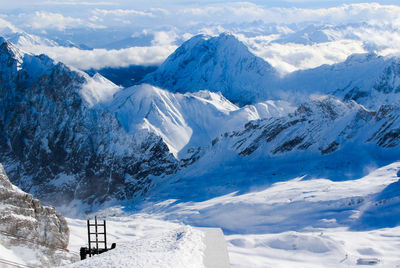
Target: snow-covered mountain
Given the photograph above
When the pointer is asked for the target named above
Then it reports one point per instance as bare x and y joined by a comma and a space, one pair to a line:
324, 125
58, 143
369, 79
30, 229
224, 64
219, 64
118, 138
81, 142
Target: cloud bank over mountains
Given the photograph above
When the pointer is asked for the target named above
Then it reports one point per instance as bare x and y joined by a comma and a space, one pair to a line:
121, 33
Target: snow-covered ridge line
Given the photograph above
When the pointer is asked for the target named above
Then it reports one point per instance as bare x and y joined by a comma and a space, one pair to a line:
186, 120
325, 124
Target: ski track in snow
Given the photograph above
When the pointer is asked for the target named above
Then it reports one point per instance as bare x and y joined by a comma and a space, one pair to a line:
295, 223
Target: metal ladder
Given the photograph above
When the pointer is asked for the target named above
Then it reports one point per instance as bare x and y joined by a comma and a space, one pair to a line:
84, 251
96, 225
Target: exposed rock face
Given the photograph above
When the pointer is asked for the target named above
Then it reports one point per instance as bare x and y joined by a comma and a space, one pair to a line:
27, 224
57, 143
324, 125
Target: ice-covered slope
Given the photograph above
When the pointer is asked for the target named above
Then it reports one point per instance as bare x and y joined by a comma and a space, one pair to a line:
219, 64
186, 121
31, 234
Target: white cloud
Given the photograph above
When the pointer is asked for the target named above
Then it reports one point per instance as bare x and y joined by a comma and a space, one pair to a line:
76, 3
100, 58
248, 12
164, 38
121, 12
49, 20
7, 28
290, 57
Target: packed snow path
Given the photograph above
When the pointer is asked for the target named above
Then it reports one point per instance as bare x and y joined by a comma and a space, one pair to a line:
145, 242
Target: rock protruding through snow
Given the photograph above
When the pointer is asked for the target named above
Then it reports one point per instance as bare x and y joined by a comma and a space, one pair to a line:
38, 231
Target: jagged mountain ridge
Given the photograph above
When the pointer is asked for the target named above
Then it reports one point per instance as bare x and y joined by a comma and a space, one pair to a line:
323, 125
58, 144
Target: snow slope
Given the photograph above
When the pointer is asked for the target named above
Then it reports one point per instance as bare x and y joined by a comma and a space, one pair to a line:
143, 242
186, 121
299, 222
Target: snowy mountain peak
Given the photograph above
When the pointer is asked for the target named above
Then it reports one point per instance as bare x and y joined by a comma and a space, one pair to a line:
360, 58
10, 50
98, 89
219, 64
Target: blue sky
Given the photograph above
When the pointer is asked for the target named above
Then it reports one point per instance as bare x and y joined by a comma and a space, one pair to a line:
43, 4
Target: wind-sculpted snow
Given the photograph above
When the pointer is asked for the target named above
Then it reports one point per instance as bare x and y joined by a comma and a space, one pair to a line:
58, 143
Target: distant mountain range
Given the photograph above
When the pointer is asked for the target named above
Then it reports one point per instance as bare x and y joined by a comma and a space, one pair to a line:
209, 118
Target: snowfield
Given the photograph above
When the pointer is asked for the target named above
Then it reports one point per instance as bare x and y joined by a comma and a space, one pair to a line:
296, 223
